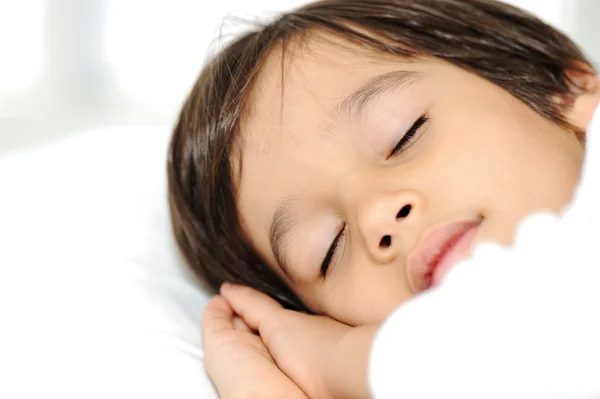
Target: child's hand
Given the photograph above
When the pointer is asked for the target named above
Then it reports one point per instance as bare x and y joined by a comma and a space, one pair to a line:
237, 361
325, 358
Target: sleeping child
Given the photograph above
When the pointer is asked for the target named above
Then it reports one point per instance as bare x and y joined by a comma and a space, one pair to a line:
337, 163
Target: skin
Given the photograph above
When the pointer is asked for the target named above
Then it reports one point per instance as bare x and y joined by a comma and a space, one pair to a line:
482, 153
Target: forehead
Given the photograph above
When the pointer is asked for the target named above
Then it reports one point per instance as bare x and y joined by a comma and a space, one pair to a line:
314, 71
298, 88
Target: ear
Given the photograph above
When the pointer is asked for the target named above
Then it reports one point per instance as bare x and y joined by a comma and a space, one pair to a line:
585, 89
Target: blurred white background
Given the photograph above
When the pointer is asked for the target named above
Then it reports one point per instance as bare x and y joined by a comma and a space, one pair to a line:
69, 65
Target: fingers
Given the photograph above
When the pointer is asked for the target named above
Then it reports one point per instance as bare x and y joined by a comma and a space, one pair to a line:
254, 307
239, 325
217, 317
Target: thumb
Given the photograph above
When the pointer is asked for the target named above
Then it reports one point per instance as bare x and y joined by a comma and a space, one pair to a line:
254, 307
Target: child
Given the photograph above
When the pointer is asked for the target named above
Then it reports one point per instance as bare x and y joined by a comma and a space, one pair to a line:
345, 157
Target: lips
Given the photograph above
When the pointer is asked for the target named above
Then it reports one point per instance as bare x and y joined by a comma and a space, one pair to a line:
439, 250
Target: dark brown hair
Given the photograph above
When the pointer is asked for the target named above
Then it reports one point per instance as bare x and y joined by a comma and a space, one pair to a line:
500, 43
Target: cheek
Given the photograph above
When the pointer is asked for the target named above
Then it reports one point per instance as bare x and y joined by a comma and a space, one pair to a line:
507, 173
367, 297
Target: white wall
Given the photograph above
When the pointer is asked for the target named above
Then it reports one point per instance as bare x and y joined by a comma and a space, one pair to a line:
70, 64
584, 23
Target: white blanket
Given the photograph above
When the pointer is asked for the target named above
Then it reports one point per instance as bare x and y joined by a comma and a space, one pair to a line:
521, 322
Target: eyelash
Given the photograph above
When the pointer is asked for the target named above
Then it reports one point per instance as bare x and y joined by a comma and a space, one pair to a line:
410, 135
402, 144
332, 252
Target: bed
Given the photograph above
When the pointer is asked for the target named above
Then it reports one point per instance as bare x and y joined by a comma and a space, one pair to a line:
95, 300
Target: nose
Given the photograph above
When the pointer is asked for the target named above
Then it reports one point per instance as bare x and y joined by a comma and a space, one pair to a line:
384, 219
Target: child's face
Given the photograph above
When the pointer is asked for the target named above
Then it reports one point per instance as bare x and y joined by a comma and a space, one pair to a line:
480, 160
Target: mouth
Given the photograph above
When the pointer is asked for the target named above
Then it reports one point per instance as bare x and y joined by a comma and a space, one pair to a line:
439, 250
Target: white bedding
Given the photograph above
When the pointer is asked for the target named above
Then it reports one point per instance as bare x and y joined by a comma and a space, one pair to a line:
94, 299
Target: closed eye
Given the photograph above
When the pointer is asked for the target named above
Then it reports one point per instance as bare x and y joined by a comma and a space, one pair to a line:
409, 136
331, 252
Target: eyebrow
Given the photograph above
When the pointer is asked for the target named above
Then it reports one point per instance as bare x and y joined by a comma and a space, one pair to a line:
353, 107
282, 224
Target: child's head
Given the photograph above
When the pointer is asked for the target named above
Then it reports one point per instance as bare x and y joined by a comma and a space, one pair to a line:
366, 134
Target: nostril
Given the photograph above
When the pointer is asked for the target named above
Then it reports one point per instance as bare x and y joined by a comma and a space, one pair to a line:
404, 212
385, 242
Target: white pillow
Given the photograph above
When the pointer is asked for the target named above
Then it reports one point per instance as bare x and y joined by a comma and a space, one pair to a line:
94, 298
